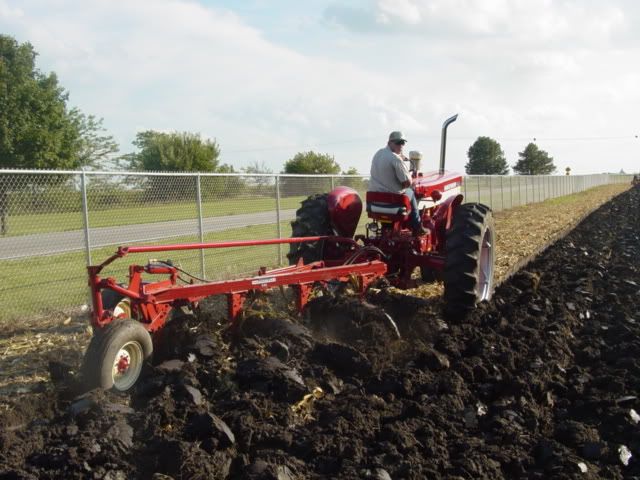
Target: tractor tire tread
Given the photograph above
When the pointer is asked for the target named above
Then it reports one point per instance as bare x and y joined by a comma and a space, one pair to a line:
463, 244
312, 219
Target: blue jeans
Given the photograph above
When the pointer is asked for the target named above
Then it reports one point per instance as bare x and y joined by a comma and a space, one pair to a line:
415, 214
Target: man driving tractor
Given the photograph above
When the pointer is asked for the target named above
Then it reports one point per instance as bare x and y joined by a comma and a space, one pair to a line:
390, 173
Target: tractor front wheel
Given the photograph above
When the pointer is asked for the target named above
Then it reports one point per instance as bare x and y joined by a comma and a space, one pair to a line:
469, 263
116, 354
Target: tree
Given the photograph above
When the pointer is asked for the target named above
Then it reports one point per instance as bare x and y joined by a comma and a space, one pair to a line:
94, 147
261, 183
312, 163
181, 152
353, 182
486, 158
36, 130
257, 167
534, 161
174, 152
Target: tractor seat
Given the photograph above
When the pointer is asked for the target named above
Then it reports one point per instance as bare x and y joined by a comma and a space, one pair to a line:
388, 206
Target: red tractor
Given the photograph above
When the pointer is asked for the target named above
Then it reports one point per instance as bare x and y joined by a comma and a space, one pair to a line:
456, 248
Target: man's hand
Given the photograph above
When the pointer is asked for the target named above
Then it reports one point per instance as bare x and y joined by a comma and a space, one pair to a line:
406, 184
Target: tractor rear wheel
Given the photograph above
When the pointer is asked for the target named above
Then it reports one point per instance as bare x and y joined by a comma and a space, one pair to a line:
116, 354
469, 262
312, 219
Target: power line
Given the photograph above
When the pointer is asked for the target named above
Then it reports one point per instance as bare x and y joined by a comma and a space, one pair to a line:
423, 137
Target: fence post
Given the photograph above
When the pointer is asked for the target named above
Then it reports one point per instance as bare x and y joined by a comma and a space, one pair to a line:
200, 226
490, 192
278, 218
510, 191
478, 180
501, 193
85, 216
519, 192
332, 182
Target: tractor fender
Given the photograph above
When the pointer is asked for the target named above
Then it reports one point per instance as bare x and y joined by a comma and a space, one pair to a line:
345, 207
443, 213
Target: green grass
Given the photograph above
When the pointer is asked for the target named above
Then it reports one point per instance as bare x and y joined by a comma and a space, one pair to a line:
37, 284
160, 212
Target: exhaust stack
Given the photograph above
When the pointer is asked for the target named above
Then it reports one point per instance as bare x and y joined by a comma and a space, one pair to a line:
443, 140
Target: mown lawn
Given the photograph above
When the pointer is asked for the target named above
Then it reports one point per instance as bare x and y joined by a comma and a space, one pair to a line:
37, 284
144, 213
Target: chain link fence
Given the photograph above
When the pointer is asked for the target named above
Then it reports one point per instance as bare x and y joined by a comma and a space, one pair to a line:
52, 224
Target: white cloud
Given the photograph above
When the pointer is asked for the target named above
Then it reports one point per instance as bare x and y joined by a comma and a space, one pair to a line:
513, 69
404, 11
529, 21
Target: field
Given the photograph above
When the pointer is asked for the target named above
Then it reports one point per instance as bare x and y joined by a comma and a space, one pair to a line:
27, 224
23, 278
539, 383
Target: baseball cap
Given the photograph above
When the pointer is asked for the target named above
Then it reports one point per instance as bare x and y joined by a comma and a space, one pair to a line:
396, 136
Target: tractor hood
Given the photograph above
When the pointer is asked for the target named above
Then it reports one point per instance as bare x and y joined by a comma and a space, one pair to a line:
442, 183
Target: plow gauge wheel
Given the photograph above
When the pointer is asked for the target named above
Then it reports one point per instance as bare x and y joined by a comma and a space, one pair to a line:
116, 355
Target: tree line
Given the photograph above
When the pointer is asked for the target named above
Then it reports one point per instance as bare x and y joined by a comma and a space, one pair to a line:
486, 157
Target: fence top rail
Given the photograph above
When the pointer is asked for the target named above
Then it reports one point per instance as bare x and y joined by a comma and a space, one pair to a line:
173, 174
15, 171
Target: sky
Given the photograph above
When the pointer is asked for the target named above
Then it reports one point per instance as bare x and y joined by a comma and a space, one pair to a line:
269, 79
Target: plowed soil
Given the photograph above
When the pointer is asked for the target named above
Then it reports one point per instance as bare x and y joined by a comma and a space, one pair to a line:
541, 382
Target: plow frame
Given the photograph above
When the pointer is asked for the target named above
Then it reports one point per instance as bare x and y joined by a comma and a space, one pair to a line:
151, 303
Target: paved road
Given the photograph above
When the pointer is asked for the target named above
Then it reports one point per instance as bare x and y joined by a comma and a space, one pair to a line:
60, 242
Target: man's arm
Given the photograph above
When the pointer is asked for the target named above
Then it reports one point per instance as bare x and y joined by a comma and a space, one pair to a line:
402, 173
